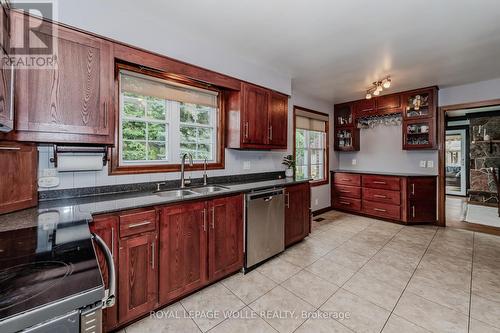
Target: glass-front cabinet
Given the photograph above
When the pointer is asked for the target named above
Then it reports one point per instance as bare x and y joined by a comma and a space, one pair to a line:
419, 104
347, 139
344, 116
419, 134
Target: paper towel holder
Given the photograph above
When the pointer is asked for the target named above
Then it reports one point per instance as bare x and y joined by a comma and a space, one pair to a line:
80, 149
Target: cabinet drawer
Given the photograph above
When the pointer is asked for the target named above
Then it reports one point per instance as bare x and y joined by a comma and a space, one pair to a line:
385, 196
347, 179
347, 191
382, 210
347, 204
135, 223
382, 182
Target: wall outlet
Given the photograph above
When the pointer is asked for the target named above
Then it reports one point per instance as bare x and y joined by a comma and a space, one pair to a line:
49, 172
315, 202
48, 182
422, 164
430, 164
354, 161
247, 165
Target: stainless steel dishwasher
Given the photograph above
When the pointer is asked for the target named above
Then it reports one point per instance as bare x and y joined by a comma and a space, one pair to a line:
264, 225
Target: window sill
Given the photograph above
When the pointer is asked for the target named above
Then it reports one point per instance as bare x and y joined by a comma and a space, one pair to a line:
130, 170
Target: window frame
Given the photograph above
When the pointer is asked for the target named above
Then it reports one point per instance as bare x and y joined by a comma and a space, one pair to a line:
326, 157
116, 169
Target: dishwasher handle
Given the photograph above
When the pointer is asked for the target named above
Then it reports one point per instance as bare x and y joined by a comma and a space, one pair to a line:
267, 195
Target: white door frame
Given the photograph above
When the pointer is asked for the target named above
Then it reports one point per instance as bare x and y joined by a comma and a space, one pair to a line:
464, 169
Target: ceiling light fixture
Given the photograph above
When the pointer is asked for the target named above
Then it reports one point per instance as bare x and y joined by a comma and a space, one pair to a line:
377, 87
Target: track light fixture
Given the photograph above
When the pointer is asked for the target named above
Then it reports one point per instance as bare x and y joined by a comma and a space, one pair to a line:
377, 87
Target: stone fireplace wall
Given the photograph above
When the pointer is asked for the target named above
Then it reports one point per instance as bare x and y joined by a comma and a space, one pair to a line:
483, 156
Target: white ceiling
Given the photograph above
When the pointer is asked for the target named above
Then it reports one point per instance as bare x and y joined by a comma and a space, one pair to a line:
334, 49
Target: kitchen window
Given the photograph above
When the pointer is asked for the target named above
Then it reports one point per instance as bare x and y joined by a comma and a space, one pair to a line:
162, 119
311, 145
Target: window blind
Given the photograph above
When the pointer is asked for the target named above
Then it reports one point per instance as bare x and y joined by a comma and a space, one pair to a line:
310, 121
147, 86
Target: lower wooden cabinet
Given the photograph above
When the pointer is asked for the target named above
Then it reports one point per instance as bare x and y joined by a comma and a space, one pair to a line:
225, 243
183, 249
18, 184
297, 213
407, 199
138, 276
107, 228
200, 242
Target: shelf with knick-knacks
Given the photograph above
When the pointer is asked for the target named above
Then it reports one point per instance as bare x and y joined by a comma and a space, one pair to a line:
419, 134
346, 139
344, 115
419, 104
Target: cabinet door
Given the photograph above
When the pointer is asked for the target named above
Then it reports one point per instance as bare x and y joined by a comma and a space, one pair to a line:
419, 134
255, 115
6, 94
278, 120
297, 213
343, 115
389, 104
138, 277
183, 249
364, 107
346, 139
107, 228
18, 187
225, 236
419, 104
70, 102
422, 199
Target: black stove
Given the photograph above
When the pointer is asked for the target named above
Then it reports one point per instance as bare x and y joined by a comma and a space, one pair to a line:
44, 270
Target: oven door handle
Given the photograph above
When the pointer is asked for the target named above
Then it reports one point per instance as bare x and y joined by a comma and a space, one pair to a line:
110, 294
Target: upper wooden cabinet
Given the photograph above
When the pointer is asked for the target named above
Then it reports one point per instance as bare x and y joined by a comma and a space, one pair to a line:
388, 104
364, 107
418, 109
70, 102
256, 118
278, 120
18, 187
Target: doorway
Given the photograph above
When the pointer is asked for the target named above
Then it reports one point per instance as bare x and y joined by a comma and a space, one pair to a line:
456, 168
469, 164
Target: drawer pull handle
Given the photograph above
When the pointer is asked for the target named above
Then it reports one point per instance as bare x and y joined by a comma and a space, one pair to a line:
379, 182
413, 211
344, 191
346, 179
345, 203
380, 210
380, 196
136, 225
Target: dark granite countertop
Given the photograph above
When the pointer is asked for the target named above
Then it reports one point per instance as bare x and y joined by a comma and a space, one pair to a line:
82, 208
397, 174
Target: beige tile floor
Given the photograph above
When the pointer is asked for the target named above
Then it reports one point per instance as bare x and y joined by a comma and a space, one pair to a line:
354, 274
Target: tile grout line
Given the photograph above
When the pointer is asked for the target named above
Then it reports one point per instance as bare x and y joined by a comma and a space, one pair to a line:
182, 305
407, 283
471, 280
392, 237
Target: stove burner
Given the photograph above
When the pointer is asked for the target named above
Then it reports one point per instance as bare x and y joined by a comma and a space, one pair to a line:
21, 283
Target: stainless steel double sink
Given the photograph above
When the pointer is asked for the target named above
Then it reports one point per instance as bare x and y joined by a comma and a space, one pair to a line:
187, 192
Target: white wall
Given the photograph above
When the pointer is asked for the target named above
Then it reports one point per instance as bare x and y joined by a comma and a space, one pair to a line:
381, 150
473, 92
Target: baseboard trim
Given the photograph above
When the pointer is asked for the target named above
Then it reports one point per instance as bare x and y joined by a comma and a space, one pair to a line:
321, 211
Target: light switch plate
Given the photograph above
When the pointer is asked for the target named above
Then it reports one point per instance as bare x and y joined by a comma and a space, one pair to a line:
430, 164
354, 161
422, 164
247, 165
